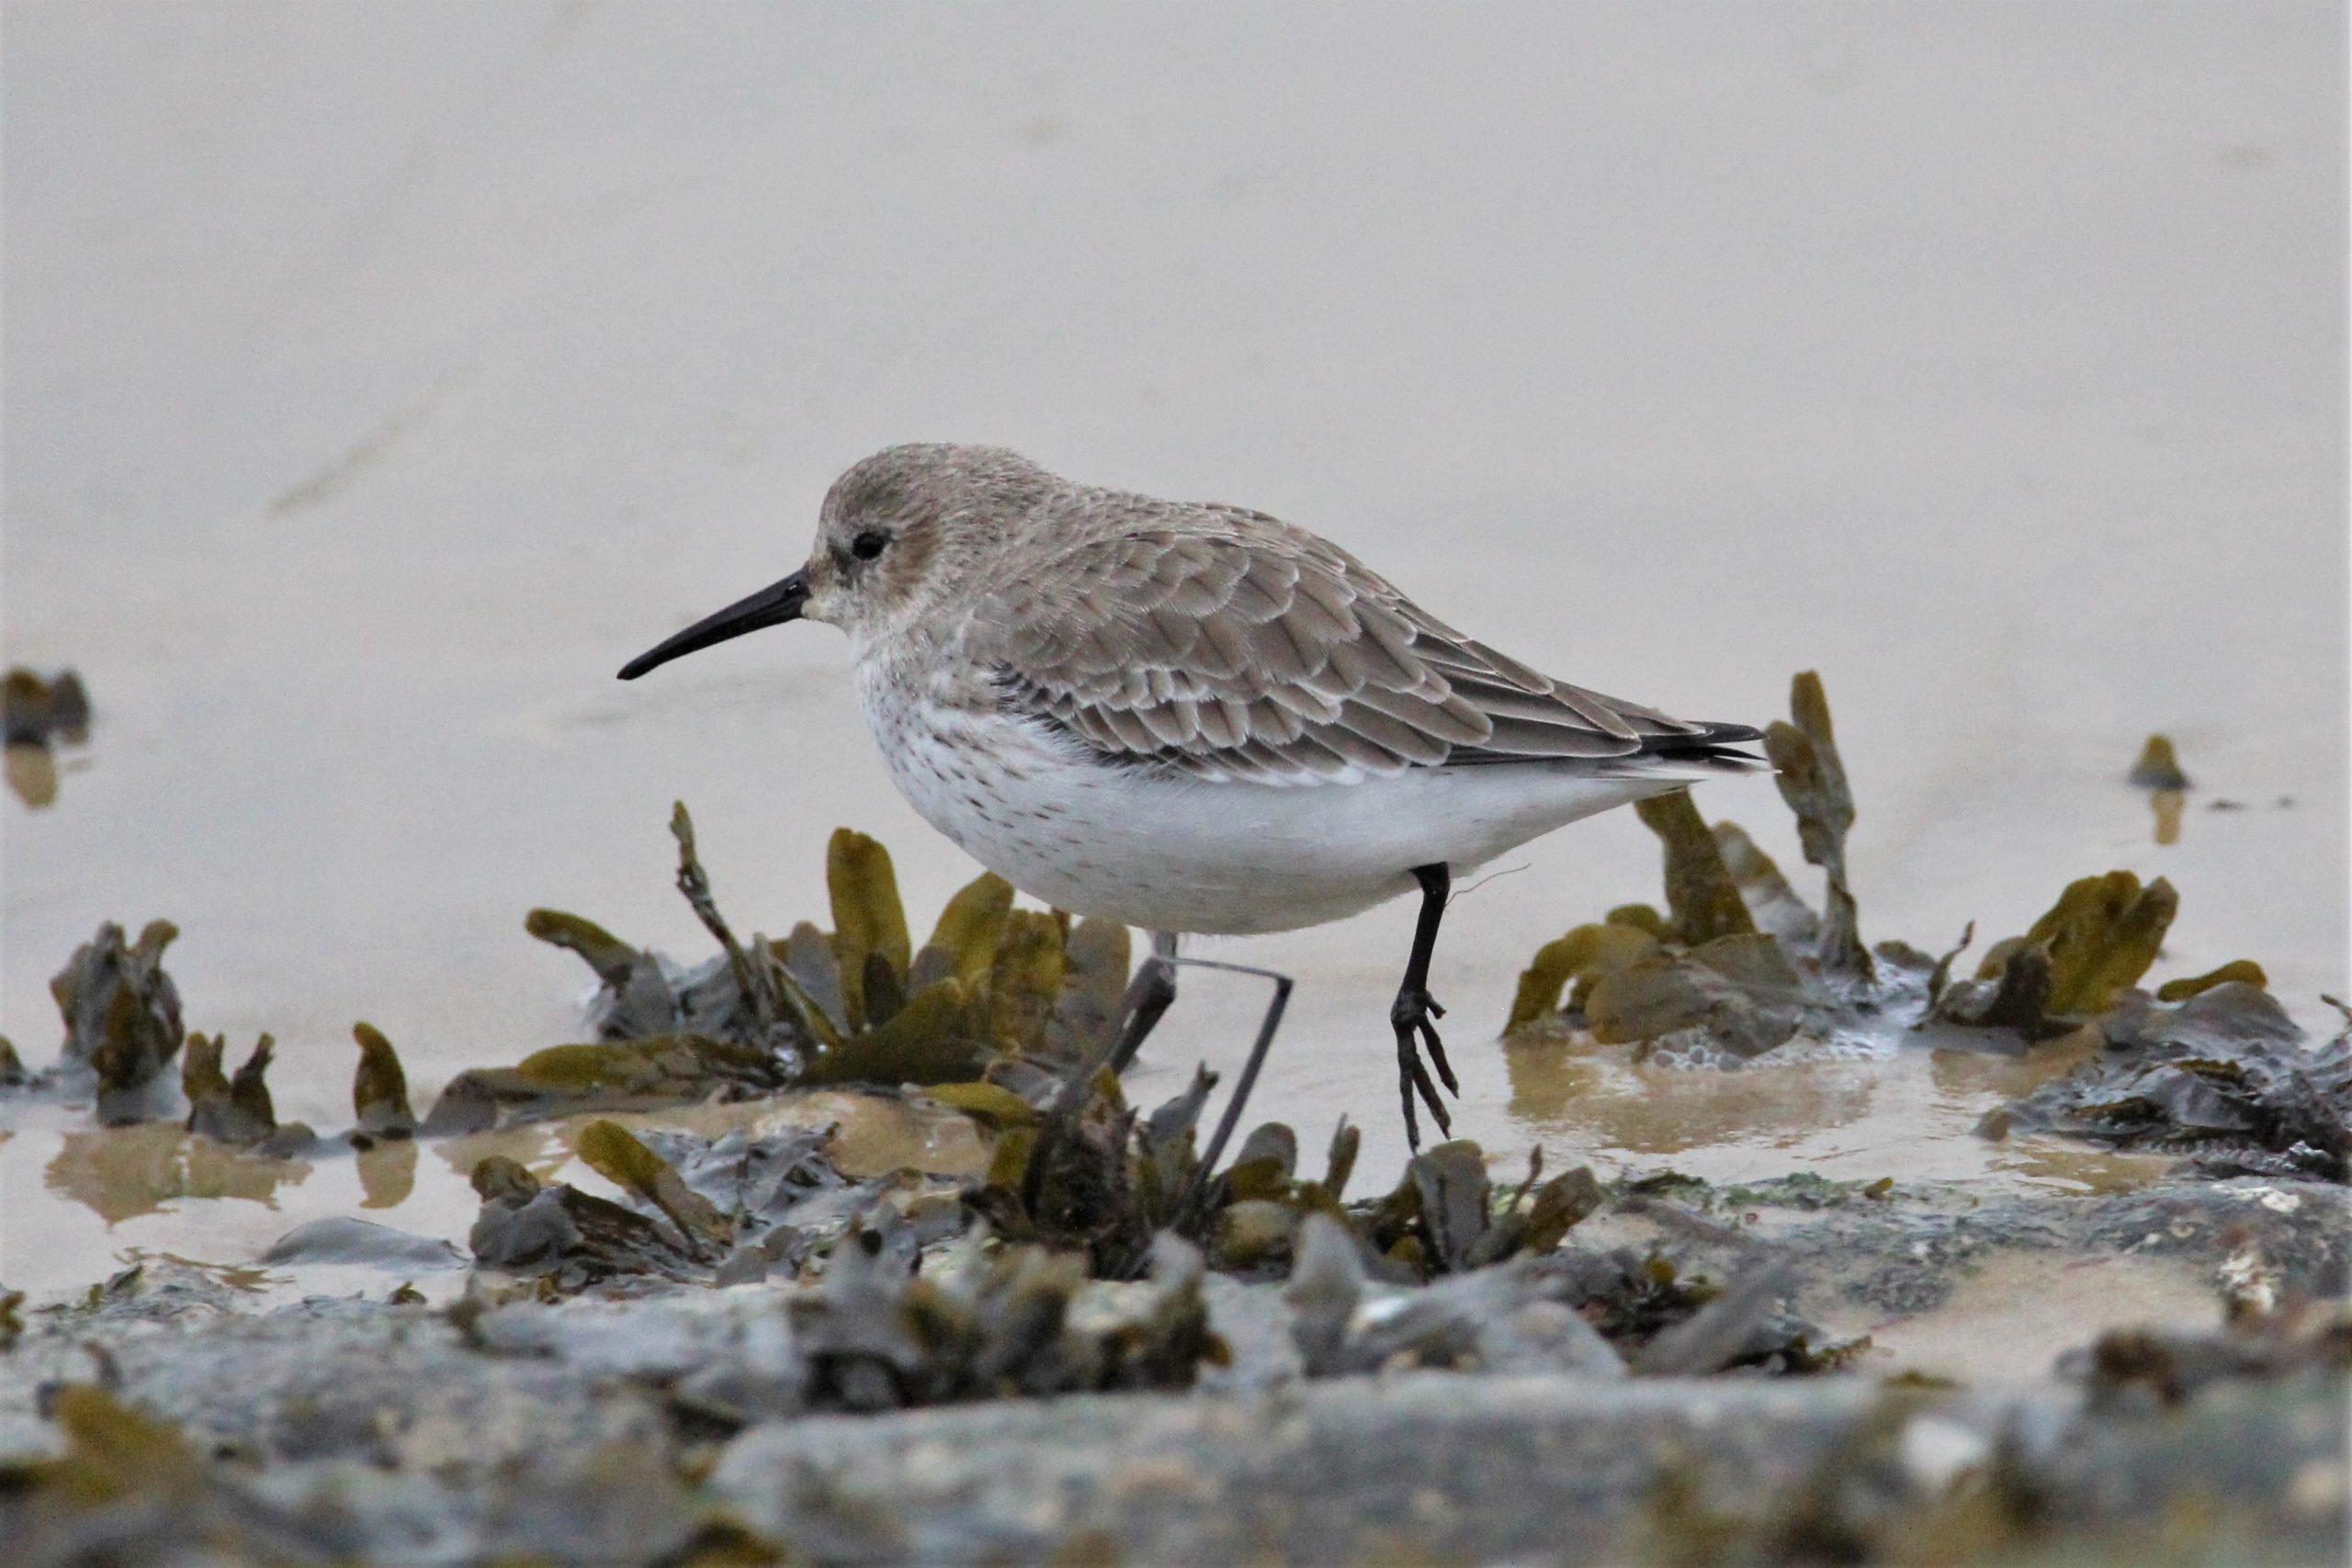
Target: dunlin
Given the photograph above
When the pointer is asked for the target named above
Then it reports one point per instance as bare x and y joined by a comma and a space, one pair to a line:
1194, 717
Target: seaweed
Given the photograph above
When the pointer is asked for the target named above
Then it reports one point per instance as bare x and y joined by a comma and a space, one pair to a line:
736, 997
2223, 1076
1441, 1217
114, 1453
568, 1237
639, 995
1746, 1326
1091, 1001
1631, 1297
380, 1088
1740, 966
2158, 767
1259, 1203
2134, 1371
754, 1181
927, 1040
37, 715
870, 939
1510, 1318
2239, 969
1106, 1180
1738, 994
1104, 1187
1715, 985
1772, 903
1110, 1181
1443, 1227
1582, 955
122, 1018
2073, 964
1701, 897
235, 1110
1811, 779
991, 1321
1438, 1275
640, 1075
721, 1211
609, 1149
36, 712
2159, 771
861, 1003
991, 1105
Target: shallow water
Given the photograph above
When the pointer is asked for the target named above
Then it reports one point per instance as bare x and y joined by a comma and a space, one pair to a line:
376, 385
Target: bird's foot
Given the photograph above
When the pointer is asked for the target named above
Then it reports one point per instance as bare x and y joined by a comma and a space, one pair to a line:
1410, 1017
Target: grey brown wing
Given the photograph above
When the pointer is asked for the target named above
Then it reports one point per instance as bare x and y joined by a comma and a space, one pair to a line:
1253, 650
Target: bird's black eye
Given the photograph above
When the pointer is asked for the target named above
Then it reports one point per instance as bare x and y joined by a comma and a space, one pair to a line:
869, 544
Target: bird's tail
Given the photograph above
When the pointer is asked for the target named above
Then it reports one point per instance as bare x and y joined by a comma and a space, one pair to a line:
1714, 751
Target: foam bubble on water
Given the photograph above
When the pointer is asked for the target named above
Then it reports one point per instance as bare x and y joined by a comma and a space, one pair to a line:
1691, 1050
1694, 1049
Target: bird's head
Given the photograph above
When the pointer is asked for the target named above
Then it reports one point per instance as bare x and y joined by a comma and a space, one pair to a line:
899, 534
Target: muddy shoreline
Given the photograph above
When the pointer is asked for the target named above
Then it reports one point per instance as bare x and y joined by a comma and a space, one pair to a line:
1028, 1321
676, 1423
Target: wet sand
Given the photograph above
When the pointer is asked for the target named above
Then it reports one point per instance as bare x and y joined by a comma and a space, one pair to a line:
378, 384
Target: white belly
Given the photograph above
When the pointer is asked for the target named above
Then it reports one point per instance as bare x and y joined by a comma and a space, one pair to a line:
1177, 854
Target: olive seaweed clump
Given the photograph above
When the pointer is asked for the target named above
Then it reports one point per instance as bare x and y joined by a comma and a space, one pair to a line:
122, 1018
2222, 1077
915, 1293
123, 1030
996, 999
39, 714
1740, 967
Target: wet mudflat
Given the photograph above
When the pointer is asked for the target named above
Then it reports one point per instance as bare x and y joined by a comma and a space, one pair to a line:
847, 1176
350, 449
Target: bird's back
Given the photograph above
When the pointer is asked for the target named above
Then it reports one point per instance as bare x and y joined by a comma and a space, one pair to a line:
1225, 644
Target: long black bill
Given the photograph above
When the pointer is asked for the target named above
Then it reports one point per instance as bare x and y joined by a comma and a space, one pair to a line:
771, 606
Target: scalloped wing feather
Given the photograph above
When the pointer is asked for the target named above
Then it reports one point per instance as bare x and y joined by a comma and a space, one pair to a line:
1223, 644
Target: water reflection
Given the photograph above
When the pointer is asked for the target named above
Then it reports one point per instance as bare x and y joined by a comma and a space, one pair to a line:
1547, 1076
2048, 1162
386, 1172
1917, 1109
32, 773
1990, 1078
531, 1146
1962, 1074
872, 1135
1598, 1097
122, 1172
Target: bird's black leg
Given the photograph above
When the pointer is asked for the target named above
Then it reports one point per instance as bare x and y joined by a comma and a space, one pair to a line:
1247, 1081
1415, 1008
1149, 994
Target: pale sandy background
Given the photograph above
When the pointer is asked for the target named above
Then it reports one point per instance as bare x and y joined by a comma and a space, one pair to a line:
380, 376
